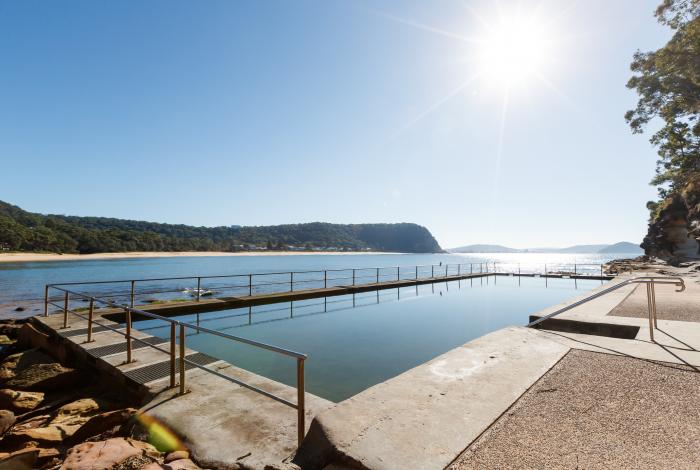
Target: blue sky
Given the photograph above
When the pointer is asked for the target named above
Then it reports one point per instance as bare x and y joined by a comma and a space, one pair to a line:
267, 112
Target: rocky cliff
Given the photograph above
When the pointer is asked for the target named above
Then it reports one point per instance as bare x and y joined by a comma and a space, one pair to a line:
674, 226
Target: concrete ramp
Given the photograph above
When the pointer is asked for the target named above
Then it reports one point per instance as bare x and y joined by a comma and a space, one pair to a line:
425, 417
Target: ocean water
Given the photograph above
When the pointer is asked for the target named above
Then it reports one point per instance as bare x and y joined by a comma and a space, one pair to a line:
25, 281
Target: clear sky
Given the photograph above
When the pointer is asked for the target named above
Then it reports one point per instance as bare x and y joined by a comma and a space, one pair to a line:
268, 112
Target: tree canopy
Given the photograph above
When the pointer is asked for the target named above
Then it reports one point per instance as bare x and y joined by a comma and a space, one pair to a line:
25, 231
668, 84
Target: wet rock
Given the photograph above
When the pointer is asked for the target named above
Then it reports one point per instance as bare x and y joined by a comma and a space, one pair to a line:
19, 401
102, 423
44, 377
20, 460
11, 328
105, 454
7, 419
17, 362
4, 340
19, 309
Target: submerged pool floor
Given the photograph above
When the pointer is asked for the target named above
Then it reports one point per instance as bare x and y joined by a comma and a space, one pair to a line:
356, 341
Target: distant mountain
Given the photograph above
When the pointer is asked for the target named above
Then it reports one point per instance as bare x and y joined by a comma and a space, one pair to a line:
25, 231
621, 247
483, 249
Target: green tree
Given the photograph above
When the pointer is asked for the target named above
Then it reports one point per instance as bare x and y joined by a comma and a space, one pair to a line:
668, 83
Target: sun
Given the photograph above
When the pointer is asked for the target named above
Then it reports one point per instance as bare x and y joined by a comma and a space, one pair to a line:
514, 50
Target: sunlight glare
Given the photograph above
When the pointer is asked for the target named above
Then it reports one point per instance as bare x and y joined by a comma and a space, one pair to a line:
514, 50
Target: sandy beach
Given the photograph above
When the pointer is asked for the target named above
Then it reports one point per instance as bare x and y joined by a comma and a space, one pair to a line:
35, 257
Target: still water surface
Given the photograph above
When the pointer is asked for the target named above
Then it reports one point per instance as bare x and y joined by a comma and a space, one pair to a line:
354, 342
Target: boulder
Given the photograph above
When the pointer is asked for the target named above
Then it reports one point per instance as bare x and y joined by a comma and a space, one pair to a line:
104, 455
44, 377
181, 464
19, 401
7, 419
176, 455
4, 340
30, 337
17, 362
102, 423
64, 422
24, 459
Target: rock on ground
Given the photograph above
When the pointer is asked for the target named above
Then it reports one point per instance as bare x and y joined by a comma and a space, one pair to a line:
19, 401
106, 454
44, 377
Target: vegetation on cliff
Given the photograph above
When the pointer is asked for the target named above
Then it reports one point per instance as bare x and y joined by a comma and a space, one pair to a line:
25, 231
668, 83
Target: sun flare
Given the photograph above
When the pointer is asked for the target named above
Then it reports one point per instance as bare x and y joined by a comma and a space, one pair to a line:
514, 50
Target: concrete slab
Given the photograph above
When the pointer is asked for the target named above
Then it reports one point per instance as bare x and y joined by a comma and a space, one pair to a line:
229, 426
426, 416
671, 305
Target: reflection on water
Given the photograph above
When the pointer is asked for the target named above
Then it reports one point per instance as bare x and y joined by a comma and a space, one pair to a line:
358, 340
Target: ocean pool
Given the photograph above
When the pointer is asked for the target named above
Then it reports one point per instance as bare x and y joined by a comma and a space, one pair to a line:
356, 341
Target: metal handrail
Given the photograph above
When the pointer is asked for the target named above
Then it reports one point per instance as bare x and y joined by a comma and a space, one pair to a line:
297, 278
650, 281
175, 324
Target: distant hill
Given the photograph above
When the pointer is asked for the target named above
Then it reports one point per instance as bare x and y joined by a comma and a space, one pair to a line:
484, 249
621, 247
25, 231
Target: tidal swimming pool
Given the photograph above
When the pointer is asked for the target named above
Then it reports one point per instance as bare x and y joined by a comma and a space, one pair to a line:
356, 341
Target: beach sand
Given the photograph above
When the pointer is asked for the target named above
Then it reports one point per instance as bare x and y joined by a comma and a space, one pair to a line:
34, 257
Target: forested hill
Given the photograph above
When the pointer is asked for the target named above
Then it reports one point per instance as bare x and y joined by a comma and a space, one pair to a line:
25, 231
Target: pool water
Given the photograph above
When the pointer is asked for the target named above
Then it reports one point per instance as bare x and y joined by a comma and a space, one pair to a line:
356, 341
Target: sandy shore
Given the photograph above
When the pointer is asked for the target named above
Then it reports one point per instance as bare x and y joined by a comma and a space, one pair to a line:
33, 257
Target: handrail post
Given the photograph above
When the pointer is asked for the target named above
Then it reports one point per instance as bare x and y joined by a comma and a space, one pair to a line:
432, 270
601, 270
653, 302
182, 359
377, 275
301, 406
459, 269
353, 276
133, 287
291, 281
325, 279
250, 285
471, 268
398, 273
128, 335
447, 267
46, 300
416, 272
173, 354
651, 310
575, 270
90, 313
65, 310
199, 287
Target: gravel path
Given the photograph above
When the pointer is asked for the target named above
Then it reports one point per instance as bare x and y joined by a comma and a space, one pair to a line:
597, 411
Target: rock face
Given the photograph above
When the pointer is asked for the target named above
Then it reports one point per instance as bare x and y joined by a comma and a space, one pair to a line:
19, 401
43, 377
674, 229
106, 454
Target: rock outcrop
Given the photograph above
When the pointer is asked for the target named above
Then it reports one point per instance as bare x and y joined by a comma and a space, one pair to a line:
53, 417
674, 228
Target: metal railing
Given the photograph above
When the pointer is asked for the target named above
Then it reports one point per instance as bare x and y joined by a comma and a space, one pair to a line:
180, 327
278, 282
650, 281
